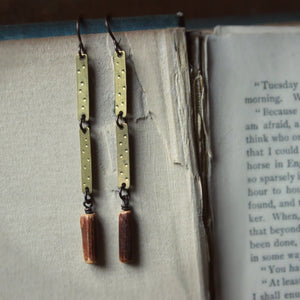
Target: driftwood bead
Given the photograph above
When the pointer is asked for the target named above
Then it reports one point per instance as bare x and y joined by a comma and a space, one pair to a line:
87, 223
125, 247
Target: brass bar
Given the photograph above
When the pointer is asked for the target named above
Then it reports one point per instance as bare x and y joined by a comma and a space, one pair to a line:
82, 86
86, 159
120, 84
123, 155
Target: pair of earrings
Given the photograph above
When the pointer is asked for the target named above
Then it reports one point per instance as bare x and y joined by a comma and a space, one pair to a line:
88, 219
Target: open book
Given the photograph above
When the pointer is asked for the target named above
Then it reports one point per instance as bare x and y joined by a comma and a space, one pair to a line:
214, 135
253, 93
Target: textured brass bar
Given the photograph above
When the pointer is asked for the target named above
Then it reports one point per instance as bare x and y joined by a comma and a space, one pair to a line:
86, 159
82, 86
125, 243
87, 224
120, 83
125, 247
123, 155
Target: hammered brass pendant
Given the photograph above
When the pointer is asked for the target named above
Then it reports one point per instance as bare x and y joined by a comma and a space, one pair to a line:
88, 219
122, 139
123, 157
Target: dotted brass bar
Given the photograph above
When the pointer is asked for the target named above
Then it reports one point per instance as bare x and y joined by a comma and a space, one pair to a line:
125, 244
120, 83
121, 109
87, 220
123, 155
82, 86
86, 160
88, 224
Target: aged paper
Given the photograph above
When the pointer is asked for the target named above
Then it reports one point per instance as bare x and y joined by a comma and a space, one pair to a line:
41, 198
254, 90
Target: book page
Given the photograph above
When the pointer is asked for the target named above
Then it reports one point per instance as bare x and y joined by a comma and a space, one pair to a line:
41, 196
254, 94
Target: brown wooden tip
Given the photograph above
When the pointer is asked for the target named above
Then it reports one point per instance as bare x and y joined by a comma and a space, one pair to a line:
87, 223
125, 247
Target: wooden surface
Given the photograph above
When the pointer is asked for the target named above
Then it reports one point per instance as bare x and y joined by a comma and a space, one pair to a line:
21, 11
125, 228
88, 223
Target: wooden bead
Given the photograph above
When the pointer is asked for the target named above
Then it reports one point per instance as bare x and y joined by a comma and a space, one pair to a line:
125, 247
87, 223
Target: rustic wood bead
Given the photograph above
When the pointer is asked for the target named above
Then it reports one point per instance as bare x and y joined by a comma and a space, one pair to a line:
125, 247
87, 223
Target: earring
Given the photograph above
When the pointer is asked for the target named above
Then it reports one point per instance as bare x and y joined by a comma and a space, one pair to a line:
88, 219
123, 159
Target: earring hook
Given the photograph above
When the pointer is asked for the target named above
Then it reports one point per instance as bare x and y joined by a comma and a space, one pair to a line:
117, 46
81, 49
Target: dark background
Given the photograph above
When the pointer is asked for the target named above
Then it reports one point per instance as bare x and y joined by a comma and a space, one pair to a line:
28, 11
